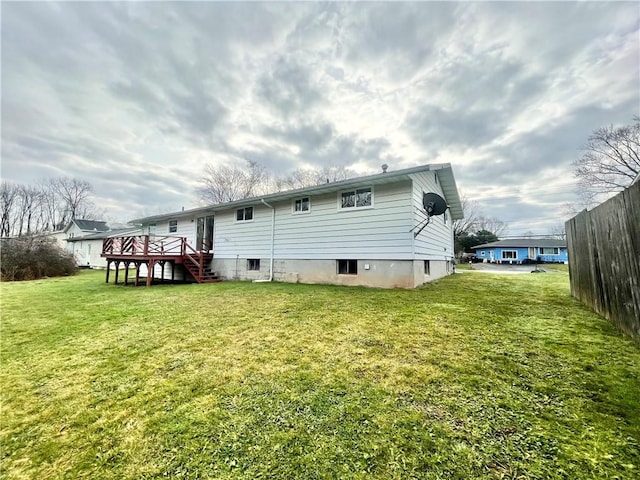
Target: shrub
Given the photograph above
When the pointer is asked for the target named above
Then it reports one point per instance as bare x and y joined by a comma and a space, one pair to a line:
29, 258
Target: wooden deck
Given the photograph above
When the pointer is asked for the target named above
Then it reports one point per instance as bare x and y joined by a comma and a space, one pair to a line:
152, 250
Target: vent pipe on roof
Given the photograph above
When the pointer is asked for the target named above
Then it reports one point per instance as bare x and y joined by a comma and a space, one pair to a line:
384, 167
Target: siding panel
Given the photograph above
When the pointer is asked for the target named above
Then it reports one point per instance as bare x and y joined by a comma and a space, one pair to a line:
435, 242
326, 232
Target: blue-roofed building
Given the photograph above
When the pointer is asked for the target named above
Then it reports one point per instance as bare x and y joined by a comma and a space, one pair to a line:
523, 250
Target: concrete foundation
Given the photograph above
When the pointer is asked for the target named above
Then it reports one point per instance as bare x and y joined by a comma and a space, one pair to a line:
370, 273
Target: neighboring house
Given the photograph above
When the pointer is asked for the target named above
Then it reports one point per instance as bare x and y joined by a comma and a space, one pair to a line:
523, 250
360, 231
78, 227
87, 249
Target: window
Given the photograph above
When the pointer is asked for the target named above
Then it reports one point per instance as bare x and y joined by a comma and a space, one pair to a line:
362, 197
509, 254
173, 226
253, 264
445, 218
427, 267
244, 214
302, 205
347, 267
549, 251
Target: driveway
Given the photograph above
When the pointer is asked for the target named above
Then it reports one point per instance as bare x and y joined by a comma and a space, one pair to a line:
500, 268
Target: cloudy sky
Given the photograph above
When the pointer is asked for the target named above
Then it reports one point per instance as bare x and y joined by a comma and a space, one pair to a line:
137, 97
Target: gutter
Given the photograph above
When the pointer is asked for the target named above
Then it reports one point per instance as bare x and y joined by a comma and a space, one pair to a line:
273, 233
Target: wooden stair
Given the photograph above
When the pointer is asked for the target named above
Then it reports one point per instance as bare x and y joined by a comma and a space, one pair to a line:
197, 267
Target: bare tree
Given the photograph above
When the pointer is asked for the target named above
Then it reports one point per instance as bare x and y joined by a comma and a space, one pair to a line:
471, 210
8, 197
28, 207
490, 224
74, 194
49, 205
611, 159
558, 232
307, 177
221, 184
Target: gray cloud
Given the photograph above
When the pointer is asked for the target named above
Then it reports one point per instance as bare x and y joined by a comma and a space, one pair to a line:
289, 87
134, 96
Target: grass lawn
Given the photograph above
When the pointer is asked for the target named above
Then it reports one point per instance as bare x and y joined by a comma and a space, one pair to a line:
475, 376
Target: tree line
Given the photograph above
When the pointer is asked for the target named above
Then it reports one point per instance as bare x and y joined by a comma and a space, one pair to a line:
221, 184
44, 207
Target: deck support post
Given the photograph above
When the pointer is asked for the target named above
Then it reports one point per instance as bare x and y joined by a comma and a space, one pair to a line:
137, 273
162, 270
126, 273
117, 271
108, 268
173, 272
150, 267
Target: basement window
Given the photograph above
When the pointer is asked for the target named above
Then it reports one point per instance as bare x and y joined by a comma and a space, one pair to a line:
173, 226
244, 214
253, 264
427, 267
347, 267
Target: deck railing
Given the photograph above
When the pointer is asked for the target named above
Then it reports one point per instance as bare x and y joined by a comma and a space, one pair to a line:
145, 245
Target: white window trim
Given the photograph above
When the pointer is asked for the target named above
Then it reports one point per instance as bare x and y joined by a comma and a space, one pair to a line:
551, 254
502, 252
354, 189
169, 225
235, 214
293, 206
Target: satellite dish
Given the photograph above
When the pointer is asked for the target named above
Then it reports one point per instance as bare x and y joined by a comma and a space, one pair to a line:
434, 204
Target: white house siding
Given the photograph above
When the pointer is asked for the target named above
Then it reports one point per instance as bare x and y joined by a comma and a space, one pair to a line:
250, 239
87, 253
186, 228
326, 232
435, 242
307, 245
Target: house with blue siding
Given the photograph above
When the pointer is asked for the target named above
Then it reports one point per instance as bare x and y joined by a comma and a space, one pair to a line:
360, 231
523, 250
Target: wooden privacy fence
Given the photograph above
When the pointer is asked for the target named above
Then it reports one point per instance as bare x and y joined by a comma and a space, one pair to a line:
604, 259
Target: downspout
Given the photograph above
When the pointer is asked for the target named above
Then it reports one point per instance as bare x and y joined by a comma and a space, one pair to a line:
273, 234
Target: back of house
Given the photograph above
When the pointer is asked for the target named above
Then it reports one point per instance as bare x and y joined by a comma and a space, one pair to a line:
362, 231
